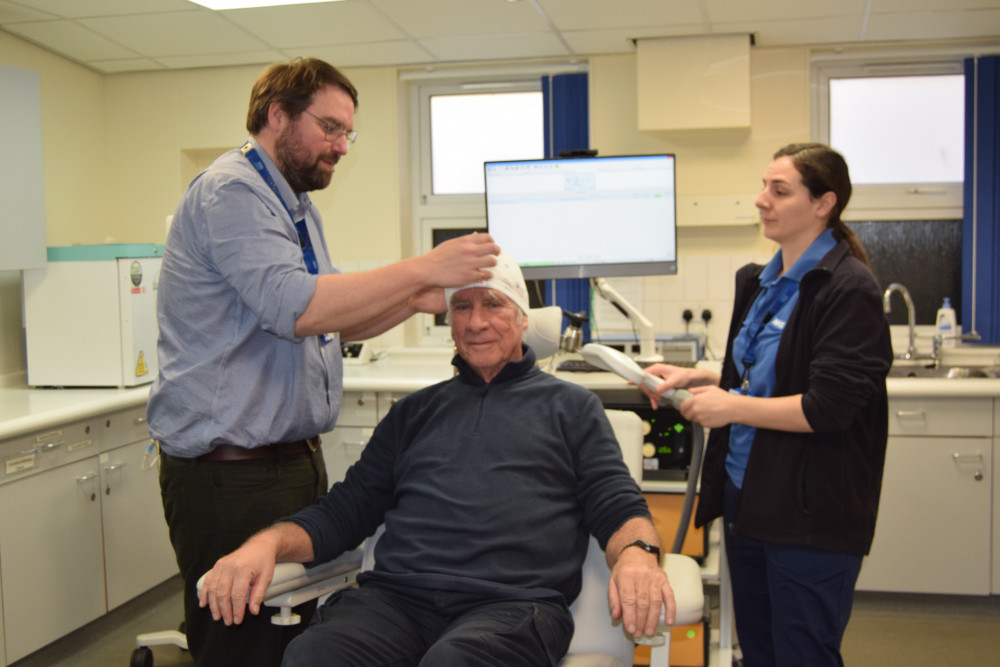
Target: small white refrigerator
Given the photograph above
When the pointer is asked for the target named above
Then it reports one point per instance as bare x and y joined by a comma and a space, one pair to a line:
90, 316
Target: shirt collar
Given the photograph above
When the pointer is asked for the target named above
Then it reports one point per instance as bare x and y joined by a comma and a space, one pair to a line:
823, 244
511, 370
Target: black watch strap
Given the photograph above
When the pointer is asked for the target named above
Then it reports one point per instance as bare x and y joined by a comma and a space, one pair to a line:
645, 546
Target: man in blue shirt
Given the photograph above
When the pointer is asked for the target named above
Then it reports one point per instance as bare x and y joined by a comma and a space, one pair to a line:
251, 315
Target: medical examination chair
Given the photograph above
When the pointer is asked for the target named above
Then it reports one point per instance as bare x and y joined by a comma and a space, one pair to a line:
597, 641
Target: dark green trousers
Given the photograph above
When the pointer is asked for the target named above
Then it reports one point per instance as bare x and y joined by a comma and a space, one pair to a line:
211, 509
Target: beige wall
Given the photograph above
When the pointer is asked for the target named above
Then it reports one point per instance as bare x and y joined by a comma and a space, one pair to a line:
74, 156
721, 162
119, 149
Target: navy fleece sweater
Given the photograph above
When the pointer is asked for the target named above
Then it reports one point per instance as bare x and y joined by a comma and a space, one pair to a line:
490, 489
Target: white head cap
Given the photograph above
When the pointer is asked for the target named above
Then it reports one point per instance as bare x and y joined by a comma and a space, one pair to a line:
507, 278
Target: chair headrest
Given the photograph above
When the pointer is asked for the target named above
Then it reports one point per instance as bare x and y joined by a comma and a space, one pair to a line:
543, 332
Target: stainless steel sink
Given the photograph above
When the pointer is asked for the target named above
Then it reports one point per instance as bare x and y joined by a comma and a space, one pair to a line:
942, 372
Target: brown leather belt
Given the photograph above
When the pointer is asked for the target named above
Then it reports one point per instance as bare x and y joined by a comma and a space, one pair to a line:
281, 449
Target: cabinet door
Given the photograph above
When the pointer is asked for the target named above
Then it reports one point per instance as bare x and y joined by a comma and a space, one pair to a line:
137, 549
341, 448
51, 560
933, 528
996, 511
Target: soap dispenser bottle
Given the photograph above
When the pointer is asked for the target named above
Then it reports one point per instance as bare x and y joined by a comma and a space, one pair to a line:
946, 327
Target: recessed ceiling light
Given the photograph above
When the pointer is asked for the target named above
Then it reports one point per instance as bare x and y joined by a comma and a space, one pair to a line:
245, 4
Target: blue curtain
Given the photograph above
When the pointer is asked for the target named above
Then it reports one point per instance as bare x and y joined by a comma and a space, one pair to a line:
981, 224
567, 127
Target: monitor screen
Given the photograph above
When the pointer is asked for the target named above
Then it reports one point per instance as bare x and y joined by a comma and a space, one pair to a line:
585, 217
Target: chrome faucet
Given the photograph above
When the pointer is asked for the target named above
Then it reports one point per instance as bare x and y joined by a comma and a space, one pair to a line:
911, 350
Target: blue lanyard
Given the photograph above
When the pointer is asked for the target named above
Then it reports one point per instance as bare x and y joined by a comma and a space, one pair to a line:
308, 254
779, 301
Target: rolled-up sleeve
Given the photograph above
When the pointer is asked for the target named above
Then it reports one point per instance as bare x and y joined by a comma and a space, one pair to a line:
256, 249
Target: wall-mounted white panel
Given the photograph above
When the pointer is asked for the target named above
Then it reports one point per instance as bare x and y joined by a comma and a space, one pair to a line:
693, 83
22, 195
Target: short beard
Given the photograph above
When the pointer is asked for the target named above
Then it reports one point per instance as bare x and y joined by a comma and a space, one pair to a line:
295, 167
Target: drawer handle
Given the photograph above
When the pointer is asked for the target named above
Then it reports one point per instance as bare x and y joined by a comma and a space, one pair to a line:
83, 479
49, 446
139, 421
910, 414
355, 443
970, 458
115, 466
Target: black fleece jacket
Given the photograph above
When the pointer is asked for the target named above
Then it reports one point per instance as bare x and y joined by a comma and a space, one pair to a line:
816, 489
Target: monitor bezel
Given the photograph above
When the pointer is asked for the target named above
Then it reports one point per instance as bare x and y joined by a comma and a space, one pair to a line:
593, 270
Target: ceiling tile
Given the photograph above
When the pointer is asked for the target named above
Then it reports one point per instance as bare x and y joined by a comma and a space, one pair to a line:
602, 14
887, 6
326, 24
373, 54
620, 40
440, 18
798, 31
493, 47
82, 8
13, 13
126, 65
222, 59
71, 40
935, 25
128, 35
175, 34
762, 12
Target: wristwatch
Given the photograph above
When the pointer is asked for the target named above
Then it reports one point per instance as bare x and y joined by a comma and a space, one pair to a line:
645, 546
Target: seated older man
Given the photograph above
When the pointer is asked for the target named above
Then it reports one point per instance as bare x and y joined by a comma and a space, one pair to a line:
488, 485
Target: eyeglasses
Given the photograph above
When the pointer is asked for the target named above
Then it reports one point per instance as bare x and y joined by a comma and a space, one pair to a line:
335, 130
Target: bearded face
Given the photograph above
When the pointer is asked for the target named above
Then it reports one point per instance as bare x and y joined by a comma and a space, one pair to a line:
306, 169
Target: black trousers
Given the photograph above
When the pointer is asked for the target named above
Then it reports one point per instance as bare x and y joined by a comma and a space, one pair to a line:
211, 509
384, 625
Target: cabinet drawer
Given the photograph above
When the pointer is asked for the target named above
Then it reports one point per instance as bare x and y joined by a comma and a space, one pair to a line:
941, 416
358, 408
386, 400
123, 428
64, 443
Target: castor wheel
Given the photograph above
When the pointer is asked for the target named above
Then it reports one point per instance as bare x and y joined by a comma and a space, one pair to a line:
142, 657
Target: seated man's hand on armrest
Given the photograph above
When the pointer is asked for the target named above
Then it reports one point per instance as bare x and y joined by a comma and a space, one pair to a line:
240, 579
638, 589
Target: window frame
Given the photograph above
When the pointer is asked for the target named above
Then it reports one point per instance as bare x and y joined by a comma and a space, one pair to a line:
895, 201
428, 210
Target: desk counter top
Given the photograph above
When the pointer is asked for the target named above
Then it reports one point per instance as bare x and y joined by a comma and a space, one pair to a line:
24, 409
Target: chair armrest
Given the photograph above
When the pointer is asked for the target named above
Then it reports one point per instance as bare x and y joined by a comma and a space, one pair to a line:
293, 583
684, 576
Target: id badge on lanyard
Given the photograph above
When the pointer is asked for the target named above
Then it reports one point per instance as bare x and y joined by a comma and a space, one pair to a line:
301, 228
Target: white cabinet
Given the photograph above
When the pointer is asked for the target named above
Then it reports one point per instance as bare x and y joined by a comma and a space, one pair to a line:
82, 528
137, 551
995, 589
360, 412
51, 560
933, 533
343, 445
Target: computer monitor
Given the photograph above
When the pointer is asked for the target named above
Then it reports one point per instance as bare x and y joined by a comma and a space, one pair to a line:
585, 217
